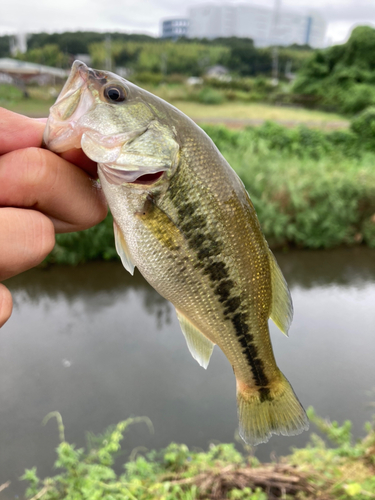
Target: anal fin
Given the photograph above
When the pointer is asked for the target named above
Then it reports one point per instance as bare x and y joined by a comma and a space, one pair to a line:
122, 249
199, 345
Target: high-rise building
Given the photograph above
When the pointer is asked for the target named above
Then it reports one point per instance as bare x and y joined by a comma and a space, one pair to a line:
264, 25
175, 28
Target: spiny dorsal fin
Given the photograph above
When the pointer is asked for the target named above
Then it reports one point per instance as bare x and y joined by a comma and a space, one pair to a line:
122, 249
199, 346
282, 306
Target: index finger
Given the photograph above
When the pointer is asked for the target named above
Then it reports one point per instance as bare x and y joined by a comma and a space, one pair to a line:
18, 131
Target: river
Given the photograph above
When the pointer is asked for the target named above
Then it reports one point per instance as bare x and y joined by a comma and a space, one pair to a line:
98, 346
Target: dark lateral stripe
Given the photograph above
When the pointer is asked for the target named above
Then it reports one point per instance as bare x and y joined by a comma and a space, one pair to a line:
249, 349
204, 243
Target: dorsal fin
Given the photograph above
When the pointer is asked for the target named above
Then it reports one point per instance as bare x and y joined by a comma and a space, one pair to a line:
199, 345
122, 249
282, 306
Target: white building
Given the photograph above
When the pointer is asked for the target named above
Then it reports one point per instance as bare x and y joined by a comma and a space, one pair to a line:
265, 26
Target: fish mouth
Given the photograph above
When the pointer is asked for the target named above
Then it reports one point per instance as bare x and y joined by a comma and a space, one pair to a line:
73, 102
119, 176
69, 126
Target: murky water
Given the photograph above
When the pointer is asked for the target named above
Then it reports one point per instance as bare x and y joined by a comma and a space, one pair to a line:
98, 346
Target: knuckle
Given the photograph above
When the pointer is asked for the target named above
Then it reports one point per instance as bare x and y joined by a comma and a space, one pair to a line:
36, 167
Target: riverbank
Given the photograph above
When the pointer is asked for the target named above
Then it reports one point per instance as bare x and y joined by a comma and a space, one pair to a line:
99, 345
311, 189
318, 471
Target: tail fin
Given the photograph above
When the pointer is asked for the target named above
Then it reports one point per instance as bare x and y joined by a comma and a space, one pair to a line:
267, 411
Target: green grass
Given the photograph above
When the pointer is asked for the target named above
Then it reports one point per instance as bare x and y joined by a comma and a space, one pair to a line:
257, 111
29, 107
41, 100
36, 106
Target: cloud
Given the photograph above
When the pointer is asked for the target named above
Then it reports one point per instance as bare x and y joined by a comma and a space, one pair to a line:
146, 15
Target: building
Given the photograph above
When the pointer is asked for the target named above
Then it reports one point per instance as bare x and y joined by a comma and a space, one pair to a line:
18, 43
265, 26
26, 71
175, 28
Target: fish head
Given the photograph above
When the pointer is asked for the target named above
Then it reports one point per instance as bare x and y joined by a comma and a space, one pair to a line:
117, 124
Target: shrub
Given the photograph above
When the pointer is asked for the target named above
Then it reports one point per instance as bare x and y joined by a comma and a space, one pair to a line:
363, 125
310, 189
210, 96
147, 77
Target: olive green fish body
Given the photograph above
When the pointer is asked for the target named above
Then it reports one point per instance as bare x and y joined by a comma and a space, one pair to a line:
193, 233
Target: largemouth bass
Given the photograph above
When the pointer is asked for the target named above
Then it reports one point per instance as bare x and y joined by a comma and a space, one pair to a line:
183, 217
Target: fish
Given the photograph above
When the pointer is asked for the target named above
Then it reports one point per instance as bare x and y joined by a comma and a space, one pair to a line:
183, 217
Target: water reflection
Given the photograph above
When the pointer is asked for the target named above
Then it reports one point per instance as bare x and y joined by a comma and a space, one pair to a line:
99, 345
353, 267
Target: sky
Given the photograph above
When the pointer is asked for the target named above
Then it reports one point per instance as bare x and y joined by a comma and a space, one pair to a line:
144, 16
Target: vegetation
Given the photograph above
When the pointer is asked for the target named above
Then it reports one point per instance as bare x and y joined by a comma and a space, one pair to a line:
258, 112
37, 104
310, 189
193, 57
342, 77
155, 55
48, 55
343, 472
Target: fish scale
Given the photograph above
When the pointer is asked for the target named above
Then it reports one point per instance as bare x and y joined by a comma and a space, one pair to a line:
233, 219
191, 230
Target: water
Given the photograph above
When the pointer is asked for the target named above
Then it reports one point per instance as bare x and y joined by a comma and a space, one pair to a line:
98, 346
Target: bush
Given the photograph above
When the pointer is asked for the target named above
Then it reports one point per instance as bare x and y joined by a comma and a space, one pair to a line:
210, 96
147, 77
342, 77
310, 189
342, 472
358, 97
363, 125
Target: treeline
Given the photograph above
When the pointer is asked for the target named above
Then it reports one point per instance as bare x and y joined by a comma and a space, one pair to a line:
342, 77
143, 53
310, 189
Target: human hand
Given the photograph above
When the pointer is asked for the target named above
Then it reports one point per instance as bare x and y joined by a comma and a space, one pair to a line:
40, 194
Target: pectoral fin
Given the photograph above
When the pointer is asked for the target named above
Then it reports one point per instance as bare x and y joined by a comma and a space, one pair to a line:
282, 306
199, 346
122, 249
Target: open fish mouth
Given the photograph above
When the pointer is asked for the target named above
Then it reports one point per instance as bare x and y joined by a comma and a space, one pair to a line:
118, 176
74, 101
127, 141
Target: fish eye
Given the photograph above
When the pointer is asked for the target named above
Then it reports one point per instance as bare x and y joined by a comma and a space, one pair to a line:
115, 93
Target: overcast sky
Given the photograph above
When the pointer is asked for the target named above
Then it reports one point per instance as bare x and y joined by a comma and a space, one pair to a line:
144, 16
